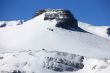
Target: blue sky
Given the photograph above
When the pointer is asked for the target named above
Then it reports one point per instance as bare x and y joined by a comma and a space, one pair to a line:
96, 12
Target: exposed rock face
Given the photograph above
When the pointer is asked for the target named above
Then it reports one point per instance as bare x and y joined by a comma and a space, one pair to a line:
3, 25
64, 62
108, 31
65, 18
44, 61
24, 61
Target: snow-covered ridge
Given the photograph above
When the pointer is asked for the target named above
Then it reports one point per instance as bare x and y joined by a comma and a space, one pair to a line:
103, 31
50, 62
11, 23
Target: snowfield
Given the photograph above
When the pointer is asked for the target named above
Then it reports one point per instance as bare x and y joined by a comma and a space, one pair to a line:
44, 61
38, 46
97, 30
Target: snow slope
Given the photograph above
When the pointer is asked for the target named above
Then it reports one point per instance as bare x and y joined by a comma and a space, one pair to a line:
37, 33
97, 30
44, 61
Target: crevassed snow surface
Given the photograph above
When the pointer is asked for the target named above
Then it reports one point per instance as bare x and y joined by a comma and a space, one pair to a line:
37, 34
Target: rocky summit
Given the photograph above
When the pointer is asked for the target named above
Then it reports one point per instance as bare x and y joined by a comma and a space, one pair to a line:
65, 19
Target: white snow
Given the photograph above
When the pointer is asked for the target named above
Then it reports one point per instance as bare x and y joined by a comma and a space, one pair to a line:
97, 30
34, 34
12, 23
33, 61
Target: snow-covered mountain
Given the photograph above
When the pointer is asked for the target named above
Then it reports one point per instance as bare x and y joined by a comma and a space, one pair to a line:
71, 46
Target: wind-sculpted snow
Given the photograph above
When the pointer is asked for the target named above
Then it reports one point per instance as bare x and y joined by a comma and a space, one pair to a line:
44, 61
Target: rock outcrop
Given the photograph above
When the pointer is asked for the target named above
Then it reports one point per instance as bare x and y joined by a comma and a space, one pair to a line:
108, 31
64, 62
50, 60
64, 18
45, 61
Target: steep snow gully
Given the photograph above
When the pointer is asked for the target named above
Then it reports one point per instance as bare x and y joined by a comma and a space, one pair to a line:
53, 41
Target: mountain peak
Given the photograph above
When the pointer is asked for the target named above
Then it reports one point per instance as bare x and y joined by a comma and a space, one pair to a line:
65, 19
